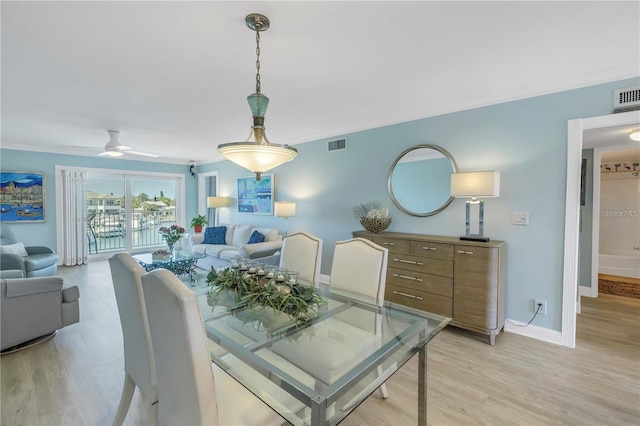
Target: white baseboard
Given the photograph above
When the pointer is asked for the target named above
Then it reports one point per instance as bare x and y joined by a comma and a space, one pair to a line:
325, 279
534, 332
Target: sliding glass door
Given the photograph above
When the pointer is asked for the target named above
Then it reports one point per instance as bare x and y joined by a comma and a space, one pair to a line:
125, 212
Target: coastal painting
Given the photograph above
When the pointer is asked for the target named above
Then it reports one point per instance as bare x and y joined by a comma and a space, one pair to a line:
255, 197
22, 196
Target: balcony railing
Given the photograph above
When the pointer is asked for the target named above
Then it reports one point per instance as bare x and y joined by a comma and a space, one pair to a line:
108, 230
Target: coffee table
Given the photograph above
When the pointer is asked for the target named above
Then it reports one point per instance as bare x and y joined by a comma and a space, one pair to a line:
180, 263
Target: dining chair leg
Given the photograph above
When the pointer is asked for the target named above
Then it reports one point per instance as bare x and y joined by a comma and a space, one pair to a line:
125, 400
383, 388
383, 391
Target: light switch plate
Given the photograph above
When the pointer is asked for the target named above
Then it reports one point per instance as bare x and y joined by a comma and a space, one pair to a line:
520, 218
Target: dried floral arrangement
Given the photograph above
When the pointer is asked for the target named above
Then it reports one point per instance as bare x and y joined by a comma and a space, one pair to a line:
374, 215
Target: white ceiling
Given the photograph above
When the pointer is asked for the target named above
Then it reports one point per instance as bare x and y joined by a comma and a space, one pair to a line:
173, 77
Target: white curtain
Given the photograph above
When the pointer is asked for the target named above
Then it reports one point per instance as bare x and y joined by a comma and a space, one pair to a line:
74, 218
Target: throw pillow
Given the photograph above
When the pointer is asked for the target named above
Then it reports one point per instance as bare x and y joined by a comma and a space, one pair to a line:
17, 248
256, 237
215, 235
241, 235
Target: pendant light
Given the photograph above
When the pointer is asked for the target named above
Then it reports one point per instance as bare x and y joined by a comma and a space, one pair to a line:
257, 153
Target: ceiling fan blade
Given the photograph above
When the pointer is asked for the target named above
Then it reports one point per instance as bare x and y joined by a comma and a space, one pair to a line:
81, 148
143, 154
113, 148
110, 153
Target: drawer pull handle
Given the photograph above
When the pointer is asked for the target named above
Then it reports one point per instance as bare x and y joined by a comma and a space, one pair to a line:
407, 295
389, 244
429, 248
412, 262
407, 277
464, 252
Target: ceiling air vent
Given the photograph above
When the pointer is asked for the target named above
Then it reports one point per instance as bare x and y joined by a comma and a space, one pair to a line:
337, 145
626, 99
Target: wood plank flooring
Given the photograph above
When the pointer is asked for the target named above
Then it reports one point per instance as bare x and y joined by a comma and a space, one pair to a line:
76, 378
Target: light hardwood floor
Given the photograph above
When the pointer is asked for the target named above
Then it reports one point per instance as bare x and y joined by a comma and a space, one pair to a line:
76, 378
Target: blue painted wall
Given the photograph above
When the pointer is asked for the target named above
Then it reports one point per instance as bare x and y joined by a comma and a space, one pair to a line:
45, 233
525, 140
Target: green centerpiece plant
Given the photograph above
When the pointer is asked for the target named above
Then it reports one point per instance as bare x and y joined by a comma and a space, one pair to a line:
233, 287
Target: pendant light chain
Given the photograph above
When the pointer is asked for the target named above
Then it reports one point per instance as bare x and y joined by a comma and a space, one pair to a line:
258, 61
257, 153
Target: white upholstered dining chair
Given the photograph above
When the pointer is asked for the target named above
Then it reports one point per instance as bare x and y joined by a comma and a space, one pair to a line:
302, 252
191, 389
360, 267
139, 364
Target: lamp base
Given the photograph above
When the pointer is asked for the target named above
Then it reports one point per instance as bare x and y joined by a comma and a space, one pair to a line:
471, 238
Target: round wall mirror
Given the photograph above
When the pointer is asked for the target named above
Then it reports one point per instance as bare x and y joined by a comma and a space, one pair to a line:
420, 180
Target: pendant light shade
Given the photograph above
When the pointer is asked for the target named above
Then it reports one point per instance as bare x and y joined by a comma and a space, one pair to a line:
256, 157
257, 153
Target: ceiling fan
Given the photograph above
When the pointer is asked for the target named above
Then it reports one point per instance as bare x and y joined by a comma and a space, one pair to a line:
114, 148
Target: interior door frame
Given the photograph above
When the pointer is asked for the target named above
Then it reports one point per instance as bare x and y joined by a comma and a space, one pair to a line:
575, 129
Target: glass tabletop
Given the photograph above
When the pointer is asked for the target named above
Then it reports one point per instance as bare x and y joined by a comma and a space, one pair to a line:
178, 262
319, 371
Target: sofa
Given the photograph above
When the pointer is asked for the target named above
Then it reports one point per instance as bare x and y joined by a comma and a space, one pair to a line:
34, 307
221, 244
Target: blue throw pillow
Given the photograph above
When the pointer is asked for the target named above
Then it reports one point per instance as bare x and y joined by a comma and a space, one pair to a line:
215, 235
256, 237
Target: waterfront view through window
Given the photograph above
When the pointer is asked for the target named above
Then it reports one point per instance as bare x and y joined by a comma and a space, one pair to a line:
127, 212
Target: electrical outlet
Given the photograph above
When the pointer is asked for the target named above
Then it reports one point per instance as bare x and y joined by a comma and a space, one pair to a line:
543, 308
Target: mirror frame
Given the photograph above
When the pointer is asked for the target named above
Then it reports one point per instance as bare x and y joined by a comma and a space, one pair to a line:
446, 154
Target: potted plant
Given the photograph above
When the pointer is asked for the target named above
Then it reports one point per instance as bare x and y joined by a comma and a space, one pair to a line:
198, 222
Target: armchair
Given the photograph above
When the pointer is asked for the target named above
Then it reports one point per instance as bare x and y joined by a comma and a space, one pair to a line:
35, 307
39, 261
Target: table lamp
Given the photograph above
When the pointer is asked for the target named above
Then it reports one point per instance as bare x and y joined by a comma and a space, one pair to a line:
485, 184
286, 210
216, 203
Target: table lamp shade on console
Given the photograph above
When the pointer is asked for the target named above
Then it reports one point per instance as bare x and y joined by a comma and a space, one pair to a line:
475, 185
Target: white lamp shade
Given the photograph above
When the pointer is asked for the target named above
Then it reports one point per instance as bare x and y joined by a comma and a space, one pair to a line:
257, 157
484, 184
285, 209
215, 202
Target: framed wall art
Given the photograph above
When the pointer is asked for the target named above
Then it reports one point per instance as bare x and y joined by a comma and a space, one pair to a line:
255, 197
22, 196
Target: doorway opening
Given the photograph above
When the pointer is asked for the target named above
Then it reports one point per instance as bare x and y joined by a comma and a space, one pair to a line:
575, 145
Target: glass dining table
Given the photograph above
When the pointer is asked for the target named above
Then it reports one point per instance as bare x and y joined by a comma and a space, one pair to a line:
317, 372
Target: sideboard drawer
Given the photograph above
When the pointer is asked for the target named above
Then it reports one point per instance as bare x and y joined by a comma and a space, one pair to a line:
431, 250
417, 299
394, 245
420, 281
421, 264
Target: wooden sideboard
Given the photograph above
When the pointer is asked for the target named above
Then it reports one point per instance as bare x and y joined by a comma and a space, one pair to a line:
463, 280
